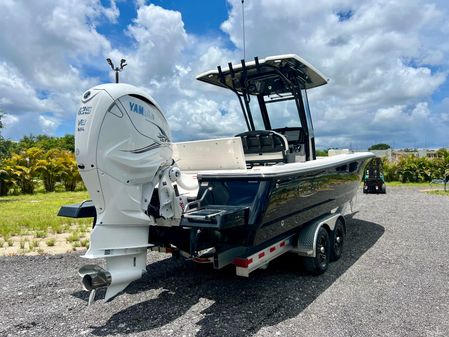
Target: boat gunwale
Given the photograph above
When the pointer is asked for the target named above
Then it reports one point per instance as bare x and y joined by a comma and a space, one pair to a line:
287, 168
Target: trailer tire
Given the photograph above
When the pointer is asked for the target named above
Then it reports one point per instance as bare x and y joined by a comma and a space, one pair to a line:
337, 240
318, 265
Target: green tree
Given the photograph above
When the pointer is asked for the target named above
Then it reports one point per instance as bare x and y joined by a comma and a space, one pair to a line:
7, 148
443, 153
50, 168
1, 123
321, 153
27, 142
390, 170
47, 143
70, 175
6, 180
67, 142
407, 169
413, 169
23, 167
380, 146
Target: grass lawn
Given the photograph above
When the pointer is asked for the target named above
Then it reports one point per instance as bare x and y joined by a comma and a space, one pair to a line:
29, 223
398, 183
36, 214
435, 189
440, 192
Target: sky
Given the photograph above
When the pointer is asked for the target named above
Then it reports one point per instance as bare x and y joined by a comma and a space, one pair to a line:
387, 63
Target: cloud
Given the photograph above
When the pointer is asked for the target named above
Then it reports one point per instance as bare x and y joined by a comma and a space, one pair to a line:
160, 38
386, 60
9, 120
381, 63
43, 46
48, 124
14, 88
166, 60
205, 118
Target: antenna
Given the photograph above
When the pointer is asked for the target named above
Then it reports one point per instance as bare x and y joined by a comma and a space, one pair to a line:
243, 29
117, 69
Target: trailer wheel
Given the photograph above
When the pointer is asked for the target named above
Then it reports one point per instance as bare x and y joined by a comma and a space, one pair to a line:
337, 240
318, 265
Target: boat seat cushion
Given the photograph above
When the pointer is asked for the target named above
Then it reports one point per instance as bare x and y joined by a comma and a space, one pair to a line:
264, 145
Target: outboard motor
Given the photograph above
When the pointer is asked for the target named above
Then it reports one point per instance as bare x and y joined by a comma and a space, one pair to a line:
123, 151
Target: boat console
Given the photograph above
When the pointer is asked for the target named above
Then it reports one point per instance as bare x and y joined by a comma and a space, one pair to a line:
264, 147
272, 80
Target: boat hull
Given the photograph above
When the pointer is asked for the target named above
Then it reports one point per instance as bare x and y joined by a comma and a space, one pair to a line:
277, 202
297, 199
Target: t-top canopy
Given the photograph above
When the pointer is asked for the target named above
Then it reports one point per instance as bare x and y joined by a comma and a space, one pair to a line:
265, 76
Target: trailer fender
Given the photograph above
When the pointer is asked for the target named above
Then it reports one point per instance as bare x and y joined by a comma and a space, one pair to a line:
306, 242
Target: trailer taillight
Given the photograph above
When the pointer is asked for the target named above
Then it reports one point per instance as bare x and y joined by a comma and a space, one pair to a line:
244, 263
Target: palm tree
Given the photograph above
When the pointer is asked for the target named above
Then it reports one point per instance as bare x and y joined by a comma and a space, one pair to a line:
25, 178
6, 180
24, 168
50, 168
69, 175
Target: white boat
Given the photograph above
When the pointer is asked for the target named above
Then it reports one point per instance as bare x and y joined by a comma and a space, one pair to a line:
210, 200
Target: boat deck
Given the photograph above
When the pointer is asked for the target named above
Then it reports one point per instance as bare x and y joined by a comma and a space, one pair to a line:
225, 157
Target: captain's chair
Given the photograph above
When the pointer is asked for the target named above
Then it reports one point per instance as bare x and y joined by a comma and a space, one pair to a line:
264, 147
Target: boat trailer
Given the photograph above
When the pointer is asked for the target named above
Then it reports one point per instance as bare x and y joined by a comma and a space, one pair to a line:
317, 243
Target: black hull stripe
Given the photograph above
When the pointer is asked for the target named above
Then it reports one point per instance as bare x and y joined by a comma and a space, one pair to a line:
296, 212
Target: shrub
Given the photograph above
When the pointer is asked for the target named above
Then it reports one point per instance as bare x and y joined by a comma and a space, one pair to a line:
73, 237
49, 169
23, 169
84, 243
70, 175
7, 180
57, 228
41, 234
75, 245
391, 171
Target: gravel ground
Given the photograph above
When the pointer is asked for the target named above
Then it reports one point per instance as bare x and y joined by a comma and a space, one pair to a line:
392, 280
